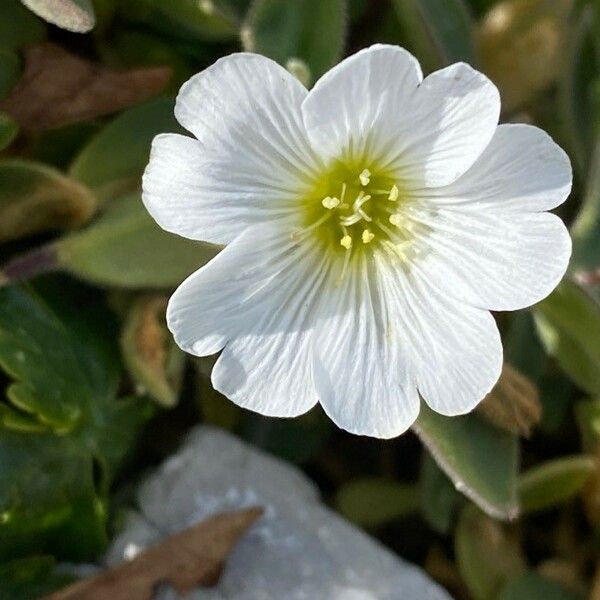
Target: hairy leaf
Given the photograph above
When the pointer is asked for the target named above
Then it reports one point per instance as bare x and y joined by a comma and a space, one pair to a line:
568, 323
34, 198
480, 459
312, 31
439, 33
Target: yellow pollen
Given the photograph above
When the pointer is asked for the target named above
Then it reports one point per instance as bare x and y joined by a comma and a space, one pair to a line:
365, 177
330, 203
394, 193
367, 236
346, 241
396, 219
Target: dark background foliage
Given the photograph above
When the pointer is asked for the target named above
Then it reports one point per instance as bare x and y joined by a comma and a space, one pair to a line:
502, 503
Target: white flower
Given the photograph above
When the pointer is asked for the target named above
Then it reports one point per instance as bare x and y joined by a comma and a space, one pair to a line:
370, 226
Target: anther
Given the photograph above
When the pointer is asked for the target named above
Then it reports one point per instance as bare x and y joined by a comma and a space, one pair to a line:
330, 203
367, 236
394, 193
346, 241
396, 219
365, 177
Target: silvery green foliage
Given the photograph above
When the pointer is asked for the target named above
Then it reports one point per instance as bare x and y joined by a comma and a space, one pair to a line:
299, 548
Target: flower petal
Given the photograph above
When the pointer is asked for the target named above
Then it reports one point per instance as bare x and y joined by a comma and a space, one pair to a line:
372, 105
455, 350
267, 368
353, 104
522, 169
252, 157
495, 260
360, 369
254, 299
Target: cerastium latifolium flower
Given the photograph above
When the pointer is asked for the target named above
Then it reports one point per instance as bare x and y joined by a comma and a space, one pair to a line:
369, 225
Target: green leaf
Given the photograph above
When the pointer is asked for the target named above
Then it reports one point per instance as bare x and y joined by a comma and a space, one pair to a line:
575, 100
480, 459
586, 228
34, 198
568, 323
9, 129
535, 587
29, 578
116, 157
312, 31
554, 482
439, 498
152, 358
488, 554
59, 349
18, 26
126, 248
72, 15
210, 20
375, 501
439, 33
10, 71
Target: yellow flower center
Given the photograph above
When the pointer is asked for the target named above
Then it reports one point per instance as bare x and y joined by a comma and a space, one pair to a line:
355, 208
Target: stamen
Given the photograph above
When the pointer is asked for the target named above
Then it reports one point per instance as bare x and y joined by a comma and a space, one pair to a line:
346, 262
344, 187
365, 177
394, 193
367, 236
296, 235
330, 203
354, 218
364, 215
346, 242
397, 220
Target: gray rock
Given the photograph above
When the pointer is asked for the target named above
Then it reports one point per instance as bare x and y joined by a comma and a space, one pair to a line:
298, 550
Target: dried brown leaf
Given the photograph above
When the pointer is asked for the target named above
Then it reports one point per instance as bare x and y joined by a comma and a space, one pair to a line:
191, 558
58, 88
513, 404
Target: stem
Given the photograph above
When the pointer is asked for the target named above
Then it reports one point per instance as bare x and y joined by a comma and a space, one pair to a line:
30, 264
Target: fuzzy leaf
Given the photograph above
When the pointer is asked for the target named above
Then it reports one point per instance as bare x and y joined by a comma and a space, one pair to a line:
210, 20
439, 33
554, 482
117, 155
487, 553
568, 323
34, 198
126, 248
586, 228
439, 498
312, 31
480, 459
